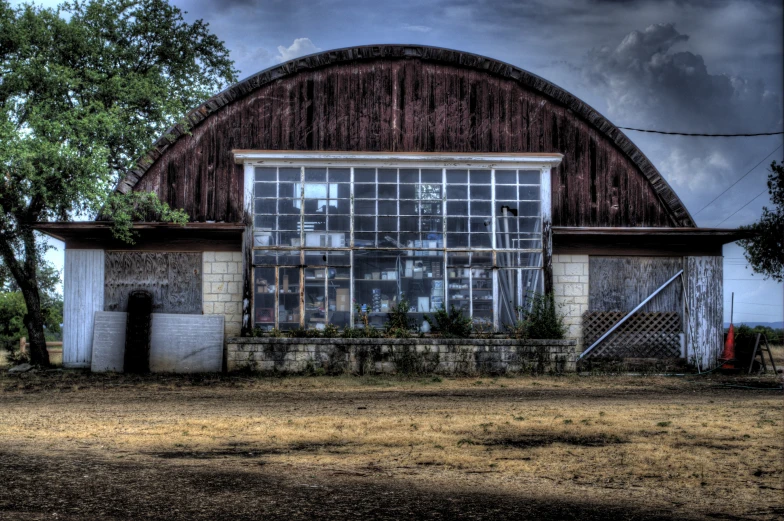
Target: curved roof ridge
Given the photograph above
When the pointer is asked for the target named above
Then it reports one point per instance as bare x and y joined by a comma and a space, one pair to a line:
678, 212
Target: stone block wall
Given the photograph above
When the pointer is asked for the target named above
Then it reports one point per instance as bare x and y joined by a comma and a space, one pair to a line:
382, 355
570, 287
222, 288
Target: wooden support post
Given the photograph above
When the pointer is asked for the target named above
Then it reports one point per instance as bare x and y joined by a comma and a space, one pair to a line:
545, 191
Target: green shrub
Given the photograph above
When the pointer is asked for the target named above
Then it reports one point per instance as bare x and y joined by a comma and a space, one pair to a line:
542, 321
399, 324
452, 324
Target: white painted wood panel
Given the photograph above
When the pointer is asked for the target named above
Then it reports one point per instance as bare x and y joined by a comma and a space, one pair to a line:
705, 308
83, 279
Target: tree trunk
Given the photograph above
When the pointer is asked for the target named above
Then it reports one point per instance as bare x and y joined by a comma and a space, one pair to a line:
34, 323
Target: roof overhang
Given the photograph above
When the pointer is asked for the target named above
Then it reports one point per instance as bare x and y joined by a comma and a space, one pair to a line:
196, 236
644, 240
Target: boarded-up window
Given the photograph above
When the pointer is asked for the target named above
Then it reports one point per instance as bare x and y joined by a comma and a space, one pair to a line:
622, 283
174, 279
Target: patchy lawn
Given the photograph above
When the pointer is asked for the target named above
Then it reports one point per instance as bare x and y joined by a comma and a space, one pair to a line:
207, 447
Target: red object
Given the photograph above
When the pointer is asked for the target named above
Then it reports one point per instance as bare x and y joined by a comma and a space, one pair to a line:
729, 349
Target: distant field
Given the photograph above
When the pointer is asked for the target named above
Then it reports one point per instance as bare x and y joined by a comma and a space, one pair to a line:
119, 447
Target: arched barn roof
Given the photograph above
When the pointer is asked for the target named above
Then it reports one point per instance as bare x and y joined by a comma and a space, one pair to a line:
191, 176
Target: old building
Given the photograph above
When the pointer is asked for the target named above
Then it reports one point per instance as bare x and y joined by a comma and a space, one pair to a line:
356, 178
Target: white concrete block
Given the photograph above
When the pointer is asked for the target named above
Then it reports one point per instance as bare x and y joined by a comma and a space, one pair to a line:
108, 342
186, 343
220, 267
208, 256
573, 269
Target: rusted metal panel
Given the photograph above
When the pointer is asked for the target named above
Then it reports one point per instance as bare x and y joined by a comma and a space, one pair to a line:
417, 105
621, 283
173, 278
705, 308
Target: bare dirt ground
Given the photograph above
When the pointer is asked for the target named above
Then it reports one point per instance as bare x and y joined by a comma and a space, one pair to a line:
75, 446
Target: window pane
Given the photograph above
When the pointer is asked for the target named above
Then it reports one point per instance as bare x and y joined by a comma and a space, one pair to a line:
266, 174
262, 221
429, 191
339, 223
364, 175
480, 192
315, 174
288, 222
288, 206
457, 208
365, 224
456, 176
288, 298
457, 240
291, 190
364, 240
480, 208
387, 207
387, 191
387, 175
266, 206
528, 193
289, 175
457, 192
264, 297
506, 177
366, 191
529, 177
407, 191
529, 209
339, 175
409, 208
480, 177
364, 207
387, 223
431, 176
482, 298
408, 175
266, 190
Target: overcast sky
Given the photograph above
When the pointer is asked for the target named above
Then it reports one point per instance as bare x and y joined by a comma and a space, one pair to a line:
712, 66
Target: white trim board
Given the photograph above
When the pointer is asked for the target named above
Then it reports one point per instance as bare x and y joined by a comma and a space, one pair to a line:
381, 159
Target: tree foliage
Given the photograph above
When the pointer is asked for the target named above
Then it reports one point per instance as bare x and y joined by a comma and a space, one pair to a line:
85, 90
765, 249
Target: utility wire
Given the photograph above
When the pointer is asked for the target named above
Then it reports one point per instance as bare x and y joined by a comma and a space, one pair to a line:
739, 180
701, 135
744, 206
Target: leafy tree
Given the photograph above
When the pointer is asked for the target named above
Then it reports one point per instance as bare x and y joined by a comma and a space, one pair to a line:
85, 89
765, 249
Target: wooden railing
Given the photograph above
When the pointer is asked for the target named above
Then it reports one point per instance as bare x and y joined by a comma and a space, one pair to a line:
52, 347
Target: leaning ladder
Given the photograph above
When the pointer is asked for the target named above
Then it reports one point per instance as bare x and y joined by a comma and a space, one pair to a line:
758, 349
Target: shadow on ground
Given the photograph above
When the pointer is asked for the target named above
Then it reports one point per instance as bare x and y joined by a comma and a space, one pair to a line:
80, 488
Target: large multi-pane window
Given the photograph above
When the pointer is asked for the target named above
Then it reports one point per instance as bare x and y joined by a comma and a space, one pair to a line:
331, 243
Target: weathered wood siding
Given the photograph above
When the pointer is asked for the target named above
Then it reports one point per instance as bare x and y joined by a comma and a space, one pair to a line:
406, 105
173, 278
622, 283
705, 304
82, 296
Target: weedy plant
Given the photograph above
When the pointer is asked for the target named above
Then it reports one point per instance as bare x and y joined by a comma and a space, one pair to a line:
542, 321
399, 324
450, 324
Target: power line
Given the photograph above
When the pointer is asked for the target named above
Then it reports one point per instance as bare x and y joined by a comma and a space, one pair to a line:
755, 304
701, 135
744, 206
739, 180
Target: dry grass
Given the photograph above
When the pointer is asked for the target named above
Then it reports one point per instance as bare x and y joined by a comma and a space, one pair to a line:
670, 446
